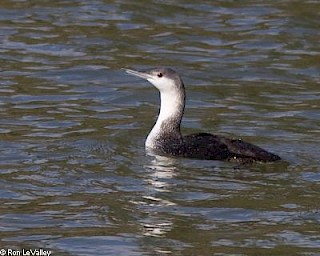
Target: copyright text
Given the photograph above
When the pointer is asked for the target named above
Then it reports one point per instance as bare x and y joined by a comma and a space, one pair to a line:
25, 252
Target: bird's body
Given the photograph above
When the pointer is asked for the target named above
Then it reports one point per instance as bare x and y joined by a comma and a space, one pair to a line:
166, 138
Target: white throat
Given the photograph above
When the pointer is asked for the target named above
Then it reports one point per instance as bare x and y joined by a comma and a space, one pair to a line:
171, 110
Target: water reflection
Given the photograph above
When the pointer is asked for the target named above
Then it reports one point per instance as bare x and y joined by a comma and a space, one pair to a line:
161, 170
158, 176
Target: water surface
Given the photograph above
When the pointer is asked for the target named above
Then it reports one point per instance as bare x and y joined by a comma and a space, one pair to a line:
75, 177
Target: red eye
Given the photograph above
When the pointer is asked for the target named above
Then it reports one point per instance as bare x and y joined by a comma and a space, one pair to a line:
160, 75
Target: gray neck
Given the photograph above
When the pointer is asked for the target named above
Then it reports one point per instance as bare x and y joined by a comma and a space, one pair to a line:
167, 128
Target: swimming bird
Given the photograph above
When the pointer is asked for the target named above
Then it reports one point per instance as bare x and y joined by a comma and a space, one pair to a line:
166, 138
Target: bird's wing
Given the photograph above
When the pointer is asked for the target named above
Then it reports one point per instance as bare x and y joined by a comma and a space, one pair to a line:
209, 146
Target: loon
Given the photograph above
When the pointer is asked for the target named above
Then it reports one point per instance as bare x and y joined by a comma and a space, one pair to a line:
166, 138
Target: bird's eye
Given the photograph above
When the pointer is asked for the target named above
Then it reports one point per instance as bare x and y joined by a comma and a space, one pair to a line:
160, 75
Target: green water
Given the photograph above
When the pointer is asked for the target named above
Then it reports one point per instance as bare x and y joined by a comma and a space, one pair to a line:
75, 178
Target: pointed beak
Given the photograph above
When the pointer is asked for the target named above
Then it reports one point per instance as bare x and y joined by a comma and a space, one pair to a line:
138, 74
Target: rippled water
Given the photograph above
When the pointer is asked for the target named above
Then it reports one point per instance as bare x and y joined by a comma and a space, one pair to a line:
75, 178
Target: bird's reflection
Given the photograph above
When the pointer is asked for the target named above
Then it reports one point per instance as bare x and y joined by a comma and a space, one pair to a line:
159, 176
161, 171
